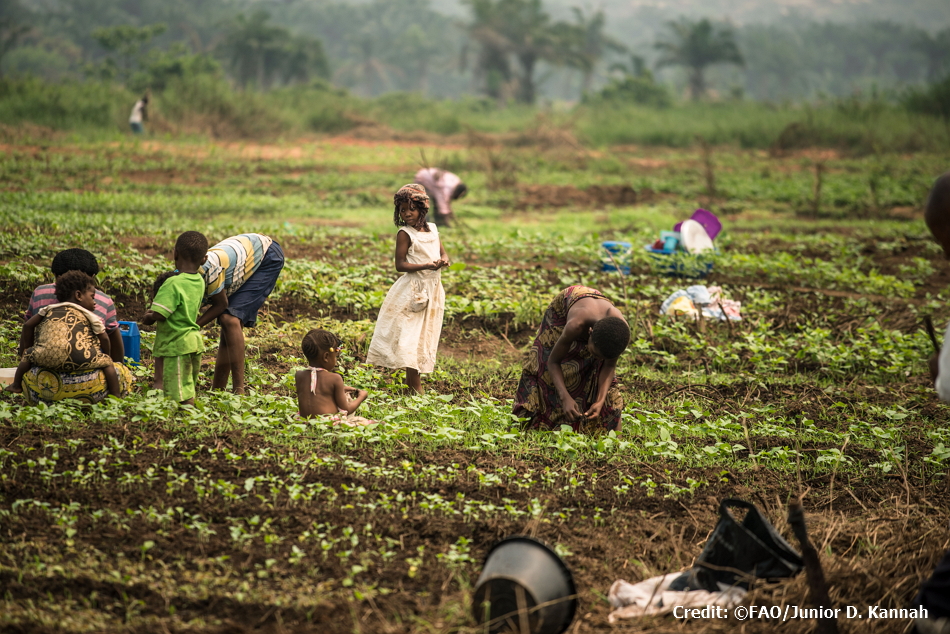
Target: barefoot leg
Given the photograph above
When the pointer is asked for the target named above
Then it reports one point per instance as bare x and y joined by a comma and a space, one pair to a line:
112, 381
414, 380
22, 368
230, 359
159, 370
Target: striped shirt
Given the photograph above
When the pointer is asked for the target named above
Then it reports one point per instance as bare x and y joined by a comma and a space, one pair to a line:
231, 262
45, 295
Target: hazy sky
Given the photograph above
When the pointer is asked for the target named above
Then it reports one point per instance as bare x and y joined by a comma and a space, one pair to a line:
929, 14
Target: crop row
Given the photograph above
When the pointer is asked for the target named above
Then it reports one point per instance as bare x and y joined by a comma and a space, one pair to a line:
690, 435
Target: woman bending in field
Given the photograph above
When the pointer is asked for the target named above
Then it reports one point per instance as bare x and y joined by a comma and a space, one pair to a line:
567, 375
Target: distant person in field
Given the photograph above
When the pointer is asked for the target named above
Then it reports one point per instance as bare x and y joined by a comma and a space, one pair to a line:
568, 374
442, 187
177, 301
937, 217
239, 274
80, 260
321, 391
65, 348
139, 115
410, 320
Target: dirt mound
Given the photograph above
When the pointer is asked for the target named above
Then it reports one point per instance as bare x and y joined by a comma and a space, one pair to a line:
538, 196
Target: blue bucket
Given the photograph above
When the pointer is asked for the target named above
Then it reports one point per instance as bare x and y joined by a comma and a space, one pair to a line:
131, 340
618, 253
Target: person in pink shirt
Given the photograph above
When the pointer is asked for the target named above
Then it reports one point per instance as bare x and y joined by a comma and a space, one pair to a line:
442, 187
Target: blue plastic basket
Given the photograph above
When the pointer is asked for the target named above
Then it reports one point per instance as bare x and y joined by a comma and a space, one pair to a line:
683, 265
617, 253
131, 340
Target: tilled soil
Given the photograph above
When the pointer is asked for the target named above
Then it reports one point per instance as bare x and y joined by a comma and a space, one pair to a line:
874, 535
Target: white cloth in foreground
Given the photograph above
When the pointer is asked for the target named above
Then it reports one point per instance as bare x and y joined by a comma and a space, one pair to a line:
943, 373
406, 337
653, 596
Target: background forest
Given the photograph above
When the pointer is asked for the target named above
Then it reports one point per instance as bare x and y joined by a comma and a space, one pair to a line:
255, 67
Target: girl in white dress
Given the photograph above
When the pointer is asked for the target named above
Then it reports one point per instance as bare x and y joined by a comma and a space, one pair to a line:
410, 320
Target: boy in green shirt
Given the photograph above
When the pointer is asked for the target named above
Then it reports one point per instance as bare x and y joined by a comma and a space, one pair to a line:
178, 340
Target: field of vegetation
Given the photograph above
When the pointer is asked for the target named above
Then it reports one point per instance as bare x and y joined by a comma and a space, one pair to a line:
135, 516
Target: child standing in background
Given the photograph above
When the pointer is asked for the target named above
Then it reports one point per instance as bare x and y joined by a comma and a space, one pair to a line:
320, 391
410, 319
175, 307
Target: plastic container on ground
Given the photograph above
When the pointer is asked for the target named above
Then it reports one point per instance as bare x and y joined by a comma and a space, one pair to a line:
616, 254
524, 587
707, 219
6, 376
131, 340
670, 239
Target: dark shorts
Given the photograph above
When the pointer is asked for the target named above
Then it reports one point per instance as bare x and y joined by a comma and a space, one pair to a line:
247, 300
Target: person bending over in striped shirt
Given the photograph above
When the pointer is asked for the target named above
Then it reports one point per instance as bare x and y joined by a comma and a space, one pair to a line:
45, 295
239, 273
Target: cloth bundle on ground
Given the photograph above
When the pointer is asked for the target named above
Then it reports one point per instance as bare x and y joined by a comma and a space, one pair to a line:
655, 596
693, 299
347, 420
734, 555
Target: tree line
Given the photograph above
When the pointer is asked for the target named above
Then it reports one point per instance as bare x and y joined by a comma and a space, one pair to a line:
507, 50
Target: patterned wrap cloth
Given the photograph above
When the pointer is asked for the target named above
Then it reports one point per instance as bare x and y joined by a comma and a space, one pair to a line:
66, 339
537, 398
414, 193
88, 386
67, 360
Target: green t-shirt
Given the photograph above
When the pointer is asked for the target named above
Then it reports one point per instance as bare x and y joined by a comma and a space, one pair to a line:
178, 300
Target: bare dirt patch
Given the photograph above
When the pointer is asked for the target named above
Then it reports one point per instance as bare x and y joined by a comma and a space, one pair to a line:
596, 196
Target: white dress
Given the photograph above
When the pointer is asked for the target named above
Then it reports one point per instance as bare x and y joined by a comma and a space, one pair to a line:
403, 338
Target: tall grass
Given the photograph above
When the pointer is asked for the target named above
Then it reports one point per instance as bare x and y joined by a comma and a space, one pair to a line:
864, 128
63, 106
206, 104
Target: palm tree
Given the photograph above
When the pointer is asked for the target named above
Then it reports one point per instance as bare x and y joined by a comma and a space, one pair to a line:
493, 67
368, 69
518, 29
417, 49
302, 58
698, 45
13, 25
251, 44
589, 44
937, 50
